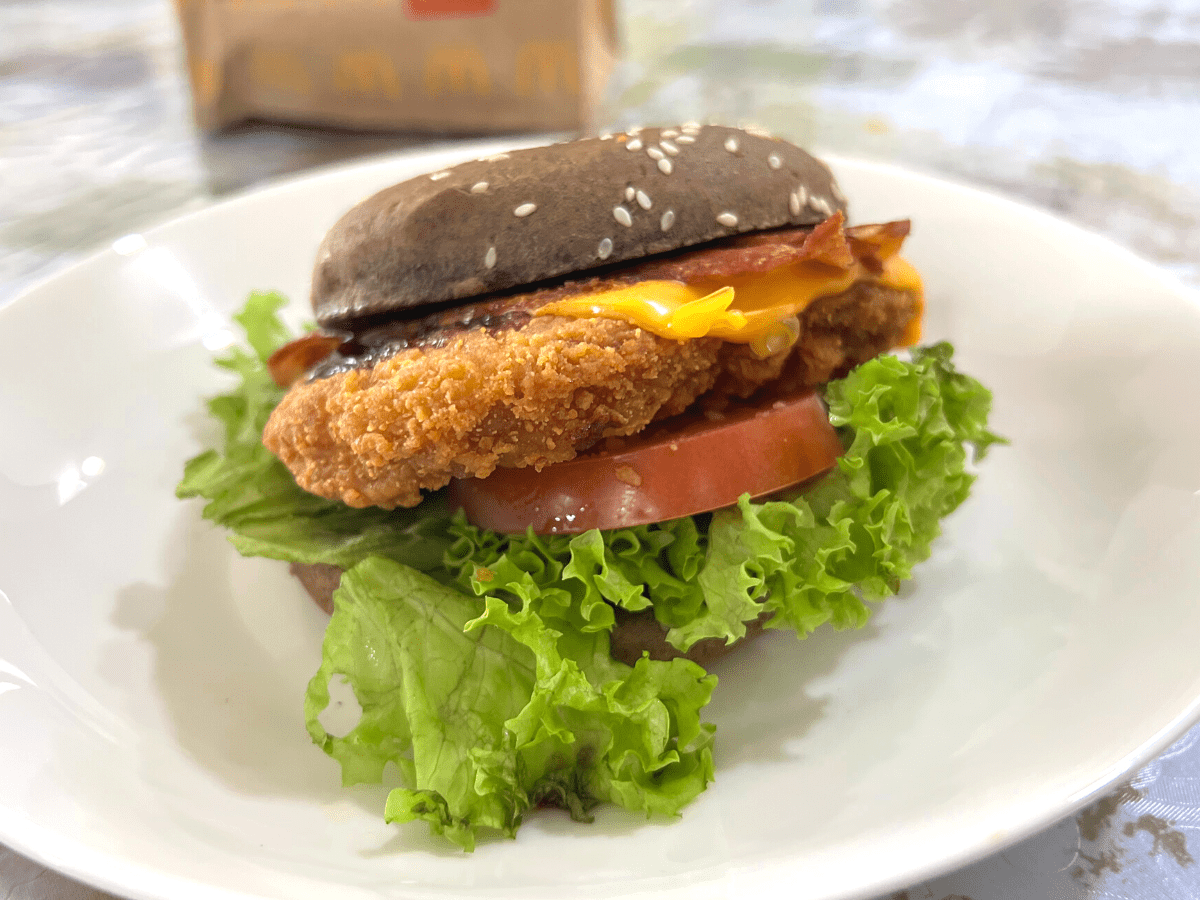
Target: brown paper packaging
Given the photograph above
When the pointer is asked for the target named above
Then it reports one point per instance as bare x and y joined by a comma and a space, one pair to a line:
426, 65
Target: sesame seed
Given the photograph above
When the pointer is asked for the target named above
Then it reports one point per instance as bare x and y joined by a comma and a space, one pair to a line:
629, 192
489, 260
635, 144
685, 139
664, 166
479, 187
643, 199
757, 131
728, 219
668, 133
820, 204
667, 220
607, 136
621, 214
654, 153
496, 158
802, 195
604, 251
794, 203
774, 161
731, 144
524, 210
628, 475
438, 176
690, 127
669, 147
635, 129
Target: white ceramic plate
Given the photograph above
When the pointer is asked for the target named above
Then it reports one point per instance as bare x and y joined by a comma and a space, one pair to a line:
151, 681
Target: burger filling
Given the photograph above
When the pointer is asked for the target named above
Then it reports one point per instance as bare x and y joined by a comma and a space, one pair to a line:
488, 667
535, 378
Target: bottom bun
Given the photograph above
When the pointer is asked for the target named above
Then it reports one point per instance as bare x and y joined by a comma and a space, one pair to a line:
635, 632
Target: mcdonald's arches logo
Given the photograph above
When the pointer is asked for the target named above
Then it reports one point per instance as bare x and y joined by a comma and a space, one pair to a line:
455, 68
545, 66
366, 72
206, 81
280, 70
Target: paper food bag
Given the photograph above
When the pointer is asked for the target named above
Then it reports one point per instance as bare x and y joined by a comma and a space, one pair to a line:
436, 65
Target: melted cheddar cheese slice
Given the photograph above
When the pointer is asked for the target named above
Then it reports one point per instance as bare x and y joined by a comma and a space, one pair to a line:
758, 309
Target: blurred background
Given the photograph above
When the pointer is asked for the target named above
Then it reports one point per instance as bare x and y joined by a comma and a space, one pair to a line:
117, 114
1088, 107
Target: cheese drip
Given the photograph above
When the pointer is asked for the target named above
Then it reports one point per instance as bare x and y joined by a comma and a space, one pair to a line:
759, 309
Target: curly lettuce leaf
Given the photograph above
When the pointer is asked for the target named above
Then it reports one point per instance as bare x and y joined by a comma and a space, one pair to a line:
252, 493
817, 557
487, 712
487, 679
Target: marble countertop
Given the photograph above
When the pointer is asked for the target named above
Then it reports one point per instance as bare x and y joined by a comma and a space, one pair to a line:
1090, 108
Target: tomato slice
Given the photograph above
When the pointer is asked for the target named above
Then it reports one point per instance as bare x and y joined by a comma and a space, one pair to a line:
680, 467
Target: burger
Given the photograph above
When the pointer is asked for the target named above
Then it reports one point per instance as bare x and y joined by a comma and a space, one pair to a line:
573, 422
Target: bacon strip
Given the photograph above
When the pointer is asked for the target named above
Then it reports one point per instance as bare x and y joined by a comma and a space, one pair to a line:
290, 362
830, 243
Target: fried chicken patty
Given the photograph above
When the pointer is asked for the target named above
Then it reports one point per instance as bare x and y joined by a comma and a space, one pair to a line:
531, 391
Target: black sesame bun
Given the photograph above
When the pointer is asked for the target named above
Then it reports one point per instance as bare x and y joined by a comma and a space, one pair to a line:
530, 215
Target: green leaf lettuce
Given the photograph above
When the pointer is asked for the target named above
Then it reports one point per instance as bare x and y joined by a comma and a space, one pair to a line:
481, 661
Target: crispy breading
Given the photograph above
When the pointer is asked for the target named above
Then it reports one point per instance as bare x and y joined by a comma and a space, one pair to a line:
539, 394
529, 396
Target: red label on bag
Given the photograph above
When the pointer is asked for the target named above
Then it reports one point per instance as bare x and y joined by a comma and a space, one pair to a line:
448, 9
